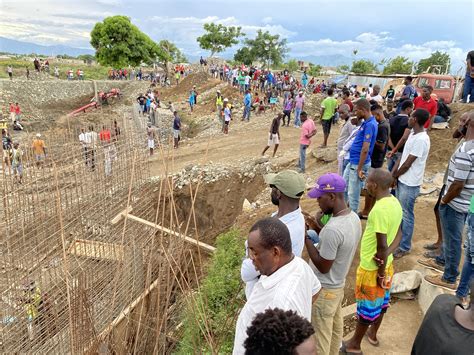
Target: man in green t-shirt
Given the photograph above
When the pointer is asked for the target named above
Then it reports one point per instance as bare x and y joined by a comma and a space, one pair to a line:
374, 274
328, 107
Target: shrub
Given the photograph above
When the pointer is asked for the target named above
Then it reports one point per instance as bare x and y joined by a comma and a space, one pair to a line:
210, 316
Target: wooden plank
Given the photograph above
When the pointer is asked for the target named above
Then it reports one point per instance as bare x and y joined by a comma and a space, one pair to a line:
96, 250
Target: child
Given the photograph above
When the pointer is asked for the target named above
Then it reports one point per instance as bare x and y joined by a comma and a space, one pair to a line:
273, 100
192, 99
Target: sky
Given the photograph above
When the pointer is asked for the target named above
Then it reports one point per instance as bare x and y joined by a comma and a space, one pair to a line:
377, 29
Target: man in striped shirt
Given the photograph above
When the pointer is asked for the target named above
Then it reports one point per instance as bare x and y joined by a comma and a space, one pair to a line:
454, 208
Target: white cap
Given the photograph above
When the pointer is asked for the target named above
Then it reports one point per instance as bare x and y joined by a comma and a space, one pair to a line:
38, 135
226, 100
218, 91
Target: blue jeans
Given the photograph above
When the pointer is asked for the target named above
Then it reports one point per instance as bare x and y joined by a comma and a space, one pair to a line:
302, 161
467, 272
313, 236
468, 88
406, 196
392, 161
247, 113
297, 117
452, 224
354, 184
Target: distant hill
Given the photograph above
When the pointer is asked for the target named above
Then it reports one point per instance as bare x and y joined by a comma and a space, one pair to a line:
19, 47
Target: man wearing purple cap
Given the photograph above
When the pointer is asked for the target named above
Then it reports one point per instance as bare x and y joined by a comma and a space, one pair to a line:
331, 259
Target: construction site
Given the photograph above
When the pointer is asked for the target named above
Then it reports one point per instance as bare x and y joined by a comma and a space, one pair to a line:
103, 257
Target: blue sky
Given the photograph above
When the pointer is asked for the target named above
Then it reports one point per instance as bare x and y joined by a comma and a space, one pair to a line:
377, 29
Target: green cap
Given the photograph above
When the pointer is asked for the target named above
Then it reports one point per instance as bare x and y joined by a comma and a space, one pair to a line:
289, 182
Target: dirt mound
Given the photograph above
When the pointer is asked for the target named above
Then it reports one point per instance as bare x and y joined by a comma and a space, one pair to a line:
442, 144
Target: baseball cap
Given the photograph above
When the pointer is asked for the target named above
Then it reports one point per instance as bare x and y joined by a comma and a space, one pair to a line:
289, 182
327, 183
226, 99
38, 135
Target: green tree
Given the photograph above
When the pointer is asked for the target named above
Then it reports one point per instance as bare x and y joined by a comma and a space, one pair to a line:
169, 53
87, 58
398, 65
268, 48
244, 55
315, 70
119, 43
363, 66
343, 69
436, 58
292, 65
219, 37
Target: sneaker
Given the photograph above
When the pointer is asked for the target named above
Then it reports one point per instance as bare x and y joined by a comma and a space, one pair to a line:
399, 253
431, 264
437, 280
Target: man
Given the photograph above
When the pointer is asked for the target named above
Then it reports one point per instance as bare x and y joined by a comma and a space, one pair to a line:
150, 132
308, 130
276, 332
141, 99
398, 129
380, 148
287, 188
219, 104
328, 108
425, 101
298, 106
17, 112
408, 93
92, 139
468, 90
39, 149
375, 95
444, 112
453, 211
17, 162
247, 105
375, 271
104, 135
448, 328
390, 94
331, 259
409, 171
347, 100
227, 116
360, 153
176, 129
12, 112
286, 281
274, 135
344, 134
82, 140
10, 72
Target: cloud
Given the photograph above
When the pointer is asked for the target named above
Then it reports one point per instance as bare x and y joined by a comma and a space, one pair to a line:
267, 20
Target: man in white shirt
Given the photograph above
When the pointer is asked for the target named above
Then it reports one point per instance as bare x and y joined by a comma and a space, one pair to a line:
82, 140
287, 188
375, 95
286, 282
409, 171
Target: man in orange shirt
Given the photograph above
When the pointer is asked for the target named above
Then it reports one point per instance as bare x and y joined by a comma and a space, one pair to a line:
425, 101
39, 150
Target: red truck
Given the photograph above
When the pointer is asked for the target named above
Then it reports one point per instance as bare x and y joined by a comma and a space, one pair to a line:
443, 85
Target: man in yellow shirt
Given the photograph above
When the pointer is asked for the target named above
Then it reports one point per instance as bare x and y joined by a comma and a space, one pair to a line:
374, 275
39, 149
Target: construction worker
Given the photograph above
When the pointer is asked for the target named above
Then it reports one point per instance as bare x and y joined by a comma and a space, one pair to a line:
219, 104
39, 150
32, 303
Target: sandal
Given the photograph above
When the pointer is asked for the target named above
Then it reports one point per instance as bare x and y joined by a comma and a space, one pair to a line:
372, 341
432, 246
431, 254
344, 350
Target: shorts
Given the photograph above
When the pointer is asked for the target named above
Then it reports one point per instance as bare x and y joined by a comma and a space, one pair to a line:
326, 126
371, 299
18, 168
273, 139
39, 157
176, 133
151, 143
226, 123
273, 101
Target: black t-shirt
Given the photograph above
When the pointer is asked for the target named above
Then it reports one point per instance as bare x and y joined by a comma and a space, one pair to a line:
141, 100
398, 124
440, 333
275, 126
378, 155
390, 93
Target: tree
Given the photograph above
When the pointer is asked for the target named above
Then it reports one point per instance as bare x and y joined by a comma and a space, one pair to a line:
343, 69
292, 65
363, 66
169, 54
398, 65
436, 58
315, 70
219, 37
267, 48
119, 43
244, 55
87, 58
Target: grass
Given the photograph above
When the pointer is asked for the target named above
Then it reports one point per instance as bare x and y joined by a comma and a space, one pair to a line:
209, 318
93, 71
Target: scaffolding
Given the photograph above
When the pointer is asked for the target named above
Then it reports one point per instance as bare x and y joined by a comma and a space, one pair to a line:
75, 278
